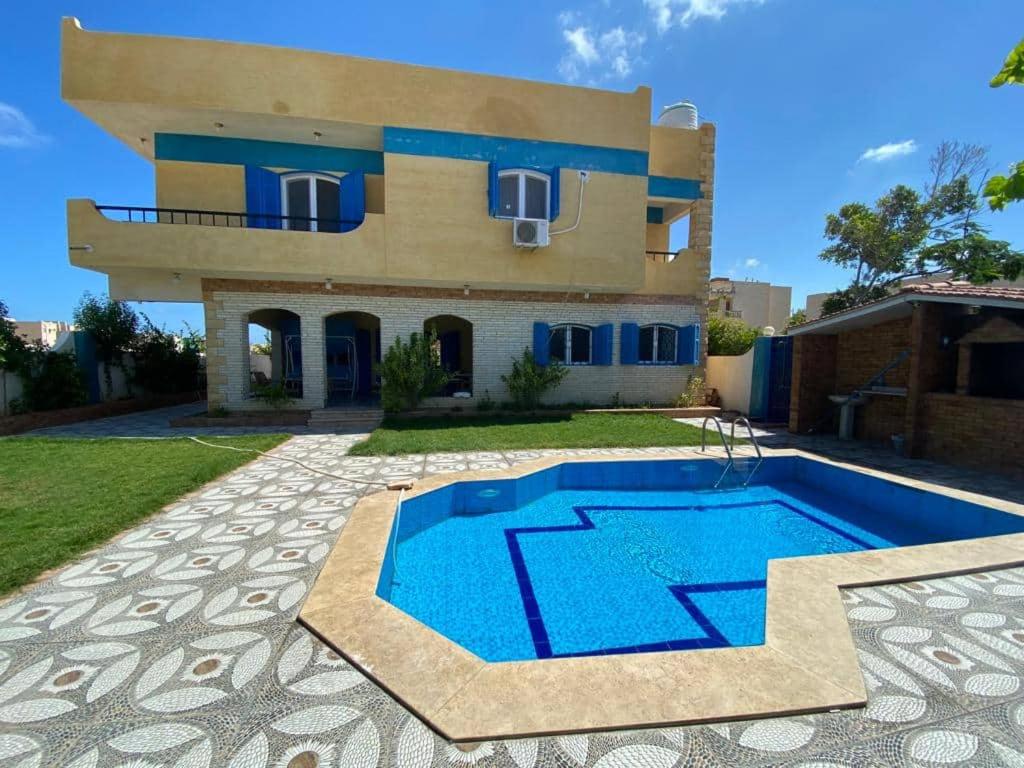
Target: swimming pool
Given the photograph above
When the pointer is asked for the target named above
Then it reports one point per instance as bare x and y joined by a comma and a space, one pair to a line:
598, 558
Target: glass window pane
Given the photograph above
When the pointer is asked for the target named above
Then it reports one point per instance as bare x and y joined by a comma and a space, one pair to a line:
647, 344
536, 198
580, 344
327, 206
298, 203
556, 345
666, 345
508, 195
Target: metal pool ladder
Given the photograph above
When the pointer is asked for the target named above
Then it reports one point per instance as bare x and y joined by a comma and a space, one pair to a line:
728, 446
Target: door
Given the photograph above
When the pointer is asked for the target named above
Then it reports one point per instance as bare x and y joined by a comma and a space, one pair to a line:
780, 373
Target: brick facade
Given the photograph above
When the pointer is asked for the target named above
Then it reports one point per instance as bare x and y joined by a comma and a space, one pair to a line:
502, 328
814, 370
982, 432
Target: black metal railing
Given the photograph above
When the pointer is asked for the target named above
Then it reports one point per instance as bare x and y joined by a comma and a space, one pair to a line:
141, 215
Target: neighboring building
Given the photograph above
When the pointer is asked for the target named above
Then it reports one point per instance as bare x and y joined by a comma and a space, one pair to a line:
953, 360
341, 202
813, 305
755, 303
44, 332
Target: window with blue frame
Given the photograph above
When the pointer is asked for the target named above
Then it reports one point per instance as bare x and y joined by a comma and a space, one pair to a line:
658, 344
311, 202
523, 194
306, 201
571, 344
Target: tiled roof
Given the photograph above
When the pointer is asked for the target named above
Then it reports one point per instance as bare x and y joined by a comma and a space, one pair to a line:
962, 288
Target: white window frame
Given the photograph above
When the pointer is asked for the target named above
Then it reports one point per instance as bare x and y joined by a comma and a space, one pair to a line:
568, 342
657, 327
310, 179
522, 174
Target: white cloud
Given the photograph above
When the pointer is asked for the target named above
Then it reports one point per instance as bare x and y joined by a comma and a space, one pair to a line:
605, 55
752, 263
16, 130
665, 13
888, 151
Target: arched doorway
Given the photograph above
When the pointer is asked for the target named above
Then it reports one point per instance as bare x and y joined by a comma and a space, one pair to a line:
274, 352
455, 346
351, 355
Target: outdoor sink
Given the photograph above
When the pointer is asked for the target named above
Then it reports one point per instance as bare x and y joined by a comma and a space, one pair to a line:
847, 403
851, 400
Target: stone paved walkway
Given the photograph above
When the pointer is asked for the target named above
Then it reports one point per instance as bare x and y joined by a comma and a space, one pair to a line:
176, 646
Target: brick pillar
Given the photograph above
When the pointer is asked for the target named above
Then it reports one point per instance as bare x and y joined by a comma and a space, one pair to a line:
814, 379
216, 361
701, 213
963, 369
928, 364
314, 383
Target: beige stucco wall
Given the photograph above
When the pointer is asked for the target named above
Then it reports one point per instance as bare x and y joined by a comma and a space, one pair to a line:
162, 77
732, 376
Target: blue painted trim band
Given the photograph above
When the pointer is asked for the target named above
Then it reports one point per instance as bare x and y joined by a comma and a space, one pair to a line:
655, 215
514, 152
683, 189
272, 154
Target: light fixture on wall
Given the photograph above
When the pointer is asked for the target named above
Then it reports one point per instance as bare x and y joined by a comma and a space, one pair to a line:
317, 135
219, 126
329, 284
176, 278
465, 290
87, 248
142, 139
586, 295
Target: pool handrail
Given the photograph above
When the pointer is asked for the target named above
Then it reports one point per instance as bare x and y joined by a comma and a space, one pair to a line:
753, 440
725, 445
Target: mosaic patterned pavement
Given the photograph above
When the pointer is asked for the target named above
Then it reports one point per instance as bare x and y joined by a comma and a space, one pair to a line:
176, 646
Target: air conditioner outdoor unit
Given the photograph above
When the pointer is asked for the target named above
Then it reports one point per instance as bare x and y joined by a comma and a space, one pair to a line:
530, 233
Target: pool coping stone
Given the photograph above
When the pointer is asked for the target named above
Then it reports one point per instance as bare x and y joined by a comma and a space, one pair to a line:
807, 664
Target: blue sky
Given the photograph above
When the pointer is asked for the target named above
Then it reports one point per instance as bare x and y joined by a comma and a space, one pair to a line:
801, 91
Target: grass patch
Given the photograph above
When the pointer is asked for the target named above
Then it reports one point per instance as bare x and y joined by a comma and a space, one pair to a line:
60, 497
398, 435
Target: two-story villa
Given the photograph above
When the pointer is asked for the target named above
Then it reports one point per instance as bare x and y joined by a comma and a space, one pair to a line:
340, 202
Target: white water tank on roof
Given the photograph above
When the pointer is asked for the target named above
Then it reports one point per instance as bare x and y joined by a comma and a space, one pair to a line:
682, 114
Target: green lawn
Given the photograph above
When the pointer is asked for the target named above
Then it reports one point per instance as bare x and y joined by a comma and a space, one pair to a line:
62, 497
499, 433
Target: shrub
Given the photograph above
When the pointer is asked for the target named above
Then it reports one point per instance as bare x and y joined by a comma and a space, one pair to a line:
52, 380
694, 395
411, 371
14, 352
730, 336
164, 364
528, 381
273, 396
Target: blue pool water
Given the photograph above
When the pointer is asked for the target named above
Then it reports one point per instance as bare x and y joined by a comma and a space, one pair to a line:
624, 557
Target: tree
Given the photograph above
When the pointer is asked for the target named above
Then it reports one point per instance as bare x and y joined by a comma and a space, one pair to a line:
730, 336
798, 317
113, 326
908, 233
1001, 190
14, 352
262, 348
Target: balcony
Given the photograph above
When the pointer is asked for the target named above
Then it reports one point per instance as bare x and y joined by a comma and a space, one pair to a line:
680, 272
140, 248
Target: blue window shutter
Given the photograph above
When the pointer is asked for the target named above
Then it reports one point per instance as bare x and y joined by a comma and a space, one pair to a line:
541, 332
603, 344
629, 354
556, 177
688, 340
262, 195
492, 189
353, 200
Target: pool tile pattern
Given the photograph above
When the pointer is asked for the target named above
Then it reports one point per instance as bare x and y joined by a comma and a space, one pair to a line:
145, 653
